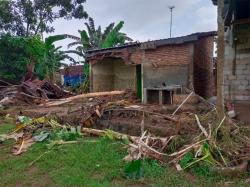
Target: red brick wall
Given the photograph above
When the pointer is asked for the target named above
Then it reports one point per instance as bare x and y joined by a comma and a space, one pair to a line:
170, 55
203, 67
136, 56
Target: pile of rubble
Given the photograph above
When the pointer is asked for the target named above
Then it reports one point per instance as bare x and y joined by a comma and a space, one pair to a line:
168, 134
31, 91
208, 144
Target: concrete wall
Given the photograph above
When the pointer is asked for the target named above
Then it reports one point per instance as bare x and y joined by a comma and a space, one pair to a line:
113, 74
124, 76
155, 77
102, 76
236, 86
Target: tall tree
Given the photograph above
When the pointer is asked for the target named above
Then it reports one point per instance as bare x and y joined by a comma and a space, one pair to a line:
31, 17
220, 63
26, 53
30, 54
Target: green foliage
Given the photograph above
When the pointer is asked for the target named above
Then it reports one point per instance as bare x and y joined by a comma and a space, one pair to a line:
16, 53
187, 159
27, 17
66, 134
134, 170
95, 38
200, 165
114, 37
202, 155
203, 169
52, 57
86, 69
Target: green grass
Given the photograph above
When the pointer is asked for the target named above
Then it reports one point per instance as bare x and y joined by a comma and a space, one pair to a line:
91, 162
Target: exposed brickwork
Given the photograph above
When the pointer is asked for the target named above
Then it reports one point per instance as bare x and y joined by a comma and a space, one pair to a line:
170, 55
193, 59
137, 56
203, 67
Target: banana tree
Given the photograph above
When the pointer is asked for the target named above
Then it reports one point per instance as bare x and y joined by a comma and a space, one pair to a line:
94, 38
53, 57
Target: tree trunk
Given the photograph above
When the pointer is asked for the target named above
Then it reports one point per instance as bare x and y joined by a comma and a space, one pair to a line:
220, 63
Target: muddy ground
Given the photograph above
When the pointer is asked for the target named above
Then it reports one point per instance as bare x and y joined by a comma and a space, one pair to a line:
121, 119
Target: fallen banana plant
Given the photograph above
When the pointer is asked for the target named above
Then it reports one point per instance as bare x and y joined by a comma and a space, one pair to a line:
138, 147
29, 131
22, 146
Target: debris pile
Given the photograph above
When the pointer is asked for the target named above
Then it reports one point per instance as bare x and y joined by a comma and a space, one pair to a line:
29, 131
31, 91
172, 136
83, 109
210, 145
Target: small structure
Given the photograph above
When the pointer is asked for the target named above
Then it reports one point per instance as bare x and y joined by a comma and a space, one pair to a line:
155, 69
72, 76
237, 50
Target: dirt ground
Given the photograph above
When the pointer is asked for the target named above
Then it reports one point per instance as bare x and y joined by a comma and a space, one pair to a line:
82, 112
128, 121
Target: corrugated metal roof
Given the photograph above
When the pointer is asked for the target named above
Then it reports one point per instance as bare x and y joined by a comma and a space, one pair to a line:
161, 42
117, 47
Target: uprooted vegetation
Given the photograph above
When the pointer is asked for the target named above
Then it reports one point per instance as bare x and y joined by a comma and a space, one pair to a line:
69, 165
189, 140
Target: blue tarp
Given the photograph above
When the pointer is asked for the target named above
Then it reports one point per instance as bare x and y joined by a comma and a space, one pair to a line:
73, 81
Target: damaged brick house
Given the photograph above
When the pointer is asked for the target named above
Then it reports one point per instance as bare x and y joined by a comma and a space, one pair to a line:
150, 67
237, 50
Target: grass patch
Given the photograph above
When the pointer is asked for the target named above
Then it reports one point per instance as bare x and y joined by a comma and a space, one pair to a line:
6, 128
91, 162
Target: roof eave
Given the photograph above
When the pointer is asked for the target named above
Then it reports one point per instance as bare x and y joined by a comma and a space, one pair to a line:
158, 43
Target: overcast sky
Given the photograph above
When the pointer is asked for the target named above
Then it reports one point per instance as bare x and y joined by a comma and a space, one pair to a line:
146, 19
